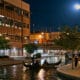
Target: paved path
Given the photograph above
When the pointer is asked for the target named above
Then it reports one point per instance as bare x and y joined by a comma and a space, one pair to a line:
67, 69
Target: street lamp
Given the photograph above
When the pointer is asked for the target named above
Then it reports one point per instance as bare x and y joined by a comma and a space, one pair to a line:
22, 29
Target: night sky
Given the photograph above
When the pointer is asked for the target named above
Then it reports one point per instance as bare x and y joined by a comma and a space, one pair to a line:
49, 15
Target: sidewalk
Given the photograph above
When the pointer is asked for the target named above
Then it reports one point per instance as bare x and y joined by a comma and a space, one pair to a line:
67, 70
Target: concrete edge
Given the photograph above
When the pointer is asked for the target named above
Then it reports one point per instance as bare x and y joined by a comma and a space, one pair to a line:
66, 76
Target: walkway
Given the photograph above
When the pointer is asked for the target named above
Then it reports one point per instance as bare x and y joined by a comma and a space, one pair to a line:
67, 69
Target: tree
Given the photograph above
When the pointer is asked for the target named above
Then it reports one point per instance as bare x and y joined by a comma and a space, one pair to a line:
4, 44
37, 55
30, 49
69, 39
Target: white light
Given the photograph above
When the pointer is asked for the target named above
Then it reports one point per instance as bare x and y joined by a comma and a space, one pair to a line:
1, 16
7, 38
77, 6
0, 34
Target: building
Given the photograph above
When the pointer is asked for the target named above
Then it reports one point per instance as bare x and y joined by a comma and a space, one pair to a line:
45, 39
15, 23
39, 37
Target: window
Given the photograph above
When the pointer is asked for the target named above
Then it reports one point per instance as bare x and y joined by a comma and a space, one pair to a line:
26, 14
27, 25
18, 11
17, 38
9, 7
1, 3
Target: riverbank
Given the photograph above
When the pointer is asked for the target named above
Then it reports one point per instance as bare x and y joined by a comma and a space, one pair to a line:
9, 61
66, 71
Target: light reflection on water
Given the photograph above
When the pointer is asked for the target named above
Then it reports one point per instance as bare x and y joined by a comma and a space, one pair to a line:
41, 74
19, 72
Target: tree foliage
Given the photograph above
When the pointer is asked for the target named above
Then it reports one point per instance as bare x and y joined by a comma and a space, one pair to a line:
4, 44
30, 47
38, 55
69, 38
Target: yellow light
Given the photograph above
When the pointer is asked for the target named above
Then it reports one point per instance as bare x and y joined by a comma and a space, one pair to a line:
0, 34
42, 33
40, 36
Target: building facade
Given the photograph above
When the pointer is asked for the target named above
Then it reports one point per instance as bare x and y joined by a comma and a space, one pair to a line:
45, 40
15, 23
44, 37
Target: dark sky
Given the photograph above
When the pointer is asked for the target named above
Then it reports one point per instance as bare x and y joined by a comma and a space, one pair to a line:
51, 14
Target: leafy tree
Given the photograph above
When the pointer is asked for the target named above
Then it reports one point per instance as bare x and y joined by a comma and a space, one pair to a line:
4, 44
37, 55
30, 49
69, 39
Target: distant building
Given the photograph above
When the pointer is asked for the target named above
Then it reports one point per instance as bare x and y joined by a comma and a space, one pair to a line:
39, 37
44, 37
15, 22
45, 40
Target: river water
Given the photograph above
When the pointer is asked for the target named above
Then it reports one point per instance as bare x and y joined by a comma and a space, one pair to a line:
19, 72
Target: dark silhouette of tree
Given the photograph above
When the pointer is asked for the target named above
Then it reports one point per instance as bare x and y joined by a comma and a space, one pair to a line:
69, 39
37, 55
30, 49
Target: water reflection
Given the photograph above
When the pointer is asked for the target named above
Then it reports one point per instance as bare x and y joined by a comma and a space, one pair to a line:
19, 72
41, 74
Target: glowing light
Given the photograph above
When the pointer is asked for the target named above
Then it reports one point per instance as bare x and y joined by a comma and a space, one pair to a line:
77, 6
1, 16
42, 33
0, 34
40, 36
7, 38
25, 38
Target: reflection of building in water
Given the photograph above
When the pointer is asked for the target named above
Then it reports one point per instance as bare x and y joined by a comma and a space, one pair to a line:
41, 74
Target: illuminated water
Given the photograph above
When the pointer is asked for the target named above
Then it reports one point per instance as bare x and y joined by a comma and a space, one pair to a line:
19, 72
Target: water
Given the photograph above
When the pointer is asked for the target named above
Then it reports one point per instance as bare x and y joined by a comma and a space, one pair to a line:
19, 72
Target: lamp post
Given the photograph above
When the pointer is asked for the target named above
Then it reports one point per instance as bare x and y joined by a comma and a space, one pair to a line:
21, 30
42, 34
